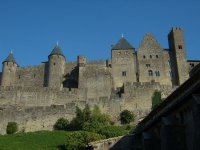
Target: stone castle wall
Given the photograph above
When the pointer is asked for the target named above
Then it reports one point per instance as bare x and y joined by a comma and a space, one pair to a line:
35, 118
127, 81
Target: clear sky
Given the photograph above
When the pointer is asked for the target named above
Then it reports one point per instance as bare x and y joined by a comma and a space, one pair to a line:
89, 27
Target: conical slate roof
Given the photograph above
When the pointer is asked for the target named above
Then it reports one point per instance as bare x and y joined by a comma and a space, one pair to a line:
122, 44
57, 51
10, 58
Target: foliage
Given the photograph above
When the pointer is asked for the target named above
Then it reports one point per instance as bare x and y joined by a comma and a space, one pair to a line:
156, 100
113, 131
11, 128
77, 140
88, 120
61, 124
126, 117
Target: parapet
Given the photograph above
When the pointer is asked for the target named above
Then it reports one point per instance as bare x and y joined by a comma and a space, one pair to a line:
176, 28
81, 60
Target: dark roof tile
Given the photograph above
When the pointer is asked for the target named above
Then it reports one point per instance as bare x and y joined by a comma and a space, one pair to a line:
122, 44
57, 51
10, 58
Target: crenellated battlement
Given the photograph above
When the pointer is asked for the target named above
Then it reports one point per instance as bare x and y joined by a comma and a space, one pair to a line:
36, 96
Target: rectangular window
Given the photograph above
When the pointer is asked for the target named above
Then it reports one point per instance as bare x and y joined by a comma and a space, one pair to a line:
123, 73
157, 73
180, 47
147, 65
150, 72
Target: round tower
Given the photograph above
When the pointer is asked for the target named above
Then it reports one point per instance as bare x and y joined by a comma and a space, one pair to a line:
9, 71
56, 67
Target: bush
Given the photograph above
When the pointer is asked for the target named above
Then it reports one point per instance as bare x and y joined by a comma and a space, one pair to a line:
126, 117
61, 124
156, 100
78, 140
113, 131
11, 128
88, 120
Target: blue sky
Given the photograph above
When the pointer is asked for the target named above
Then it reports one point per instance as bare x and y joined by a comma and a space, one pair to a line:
31, 27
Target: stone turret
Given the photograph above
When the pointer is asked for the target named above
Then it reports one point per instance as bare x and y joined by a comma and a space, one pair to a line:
124, 66
180, 70
56, 67
9, 71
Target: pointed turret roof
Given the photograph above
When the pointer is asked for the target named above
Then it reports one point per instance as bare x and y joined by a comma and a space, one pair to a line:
122, 44
10, 58
57, 51
149, 42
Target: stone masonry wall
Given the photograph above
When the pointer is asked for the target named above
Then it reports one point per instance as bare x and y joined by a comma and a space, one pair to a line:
35, 118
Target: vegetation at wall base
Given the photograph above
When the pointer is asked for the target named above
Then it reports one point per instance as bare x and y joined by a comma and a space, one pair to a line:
61, 124
11, 128
126, 117
87, 126
156, 100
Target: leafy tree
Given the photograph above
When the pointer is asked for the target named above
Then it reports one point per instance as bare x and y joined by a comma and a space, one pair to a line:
11, 128
156, 99
88, 120
78, 140
61, 124
126, 117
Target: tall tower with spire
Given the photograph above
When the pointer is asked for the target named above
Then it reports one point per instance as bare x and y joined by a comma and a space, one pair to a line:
124, 68
56, 67
9, 71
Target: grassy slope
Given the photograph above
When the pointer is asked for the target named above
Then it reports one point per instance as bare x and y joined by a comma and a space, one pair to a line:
42, 140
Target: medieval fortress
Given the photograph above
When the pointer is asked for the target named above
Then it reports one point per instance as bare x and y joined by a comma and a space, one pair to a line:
35, 97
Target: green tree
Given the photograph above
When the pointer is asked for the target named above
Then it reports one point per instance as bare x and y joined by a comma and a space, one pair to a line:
126, 117
156, 99
61, 124
78, 140
88, 120
11, 128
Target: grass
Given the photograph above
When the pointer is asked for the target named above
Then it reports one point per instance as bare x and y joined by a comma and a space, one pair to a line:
44, 140
41, 140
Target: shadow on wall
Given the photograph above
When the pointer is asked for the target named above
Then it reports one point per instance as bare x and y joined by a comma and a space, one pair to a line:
71, 79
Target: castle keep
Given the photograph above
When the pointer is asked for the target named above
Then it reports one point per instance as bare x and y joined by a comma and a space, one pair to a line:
126, 81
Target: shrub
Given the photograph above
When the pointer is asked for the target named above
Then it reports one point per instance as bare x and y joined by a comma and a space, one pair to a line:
78, 140
11, 128
156, 100
126, 117
61, 124
113, 131
88, 120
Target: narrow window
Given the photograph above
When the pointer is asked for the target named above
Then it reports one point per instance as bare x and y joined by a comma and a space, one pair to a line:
157, 73
147, 65
144, 57
156, 56
19, 77
150, 72
150, 56
123, 73
34, 75
180, 47
54, 64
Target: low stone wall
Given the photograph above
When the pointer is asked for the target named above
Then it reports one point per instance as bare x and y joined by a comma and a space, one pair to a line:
35, 118
104, 144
